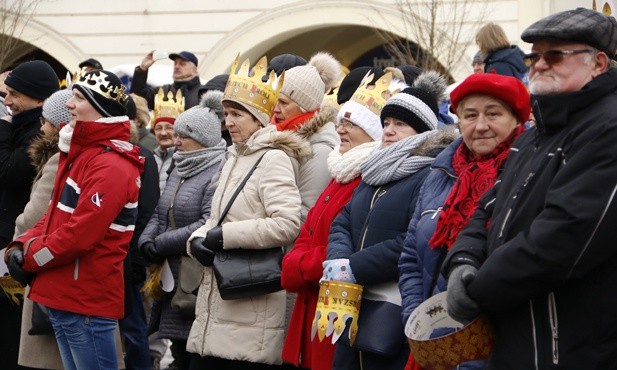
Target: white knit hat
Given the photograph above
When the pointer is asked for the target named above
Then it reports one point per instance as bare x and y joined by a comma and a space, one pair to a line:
362, 117
54, 108
306, 85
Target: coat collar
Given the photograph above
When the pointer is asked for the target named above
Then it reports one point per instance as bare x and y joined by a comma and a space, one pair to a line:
553, 112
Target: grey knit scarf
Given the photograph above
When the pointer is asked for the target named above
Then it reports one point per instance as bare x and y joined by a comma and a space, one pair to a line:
396, 161
191, 163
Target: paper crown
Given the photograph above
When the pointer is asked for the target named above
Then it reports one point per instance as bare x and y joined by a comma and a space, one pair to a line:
167, 107
338, 306
99, 82
250, 89
374, 97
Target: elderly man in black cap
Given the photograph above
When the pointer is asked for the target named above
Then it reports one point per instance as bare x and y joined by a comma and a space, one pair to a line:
185, 75
545, 269
27, 86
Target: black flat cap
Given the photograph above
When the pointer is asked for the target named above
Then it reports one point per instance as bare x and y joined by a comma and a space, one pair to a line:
578, 25
91, 62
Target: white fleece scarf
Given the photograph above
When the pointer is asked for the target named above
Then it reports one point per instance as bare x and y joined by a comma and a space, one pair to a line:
66, 133
344, 168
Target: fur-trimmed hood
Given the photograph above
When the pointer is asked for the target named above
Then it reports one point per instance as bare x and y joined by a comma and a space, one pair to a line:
316, 129
268, 137
42, 148
437, 142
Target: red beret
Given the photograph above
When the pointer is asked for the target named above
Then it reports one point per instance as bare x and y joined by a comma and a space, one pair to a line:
509, 90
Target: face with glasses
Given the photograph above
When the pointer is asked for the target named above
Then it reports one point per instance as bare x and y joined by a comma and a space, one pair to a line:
186, 143
163, 132
351, 135
558, 66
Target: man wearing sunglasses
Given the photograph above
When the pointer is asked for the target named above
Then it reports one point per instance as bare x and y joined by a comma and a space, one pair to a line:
545, 269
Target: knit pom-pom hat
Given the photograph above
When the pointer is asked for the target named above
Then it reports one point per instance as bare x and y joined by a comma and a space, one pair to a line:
417, 106
306, 85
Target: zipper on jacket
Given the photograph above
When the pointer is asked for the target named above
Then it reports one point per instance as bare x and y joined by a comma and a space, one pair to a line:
435, 212
378, 194
534, 336
552, 315
503, 224
76, 271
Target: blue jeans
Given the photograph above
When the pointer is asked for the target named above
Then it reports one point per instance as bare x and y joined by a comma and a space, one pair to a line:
135, 332
85, 342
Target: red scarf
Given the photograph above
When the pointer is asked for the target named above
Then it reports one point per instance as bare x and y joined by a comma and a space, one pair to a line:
475, 177
295, 122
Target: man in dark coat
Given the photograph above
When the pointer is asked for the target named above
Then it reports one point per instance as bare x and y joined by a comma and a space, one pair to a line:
546, 268
186, 78
28, 85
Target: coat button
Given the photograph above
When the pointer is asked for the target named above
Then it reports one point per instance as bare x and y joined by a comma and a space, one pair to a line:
327, 198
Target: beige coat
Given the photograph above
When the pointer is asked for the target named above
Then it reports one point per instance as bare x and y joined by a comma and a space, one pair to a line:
265, 214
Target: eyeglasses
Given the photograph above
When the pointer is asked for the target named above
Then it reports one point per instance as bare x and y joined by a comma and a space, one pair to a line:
177, 136
42, 120
346, 125
551, 56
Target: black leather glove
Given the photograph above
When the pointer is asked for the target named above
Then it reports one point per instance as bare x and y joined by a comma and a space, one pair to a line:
15, 261
461, 307
204, 255
214, 239
148, 250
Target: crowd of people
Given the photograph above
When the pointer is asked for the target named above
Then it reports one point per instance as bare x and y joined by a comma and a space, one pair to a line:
118, 207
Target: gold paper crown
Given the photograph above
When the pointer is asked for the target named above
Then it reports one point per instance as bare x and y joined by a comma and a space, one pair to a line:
169, 107
374, 97
252, 90
338, 305
98, 82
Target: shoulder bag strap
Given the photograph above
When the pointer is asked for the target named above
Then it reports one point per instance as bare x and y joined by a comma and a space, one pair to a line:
238, 189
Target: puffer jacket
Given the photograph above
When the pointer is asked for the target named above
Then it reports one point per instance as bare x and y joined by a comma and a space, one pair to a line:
547, 265
313, 174
507, 62
78, 248
370, 232
191, 208
265, 214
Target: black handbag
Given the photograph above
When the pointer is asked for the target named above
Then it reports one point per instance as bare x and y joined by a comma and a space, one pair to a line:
380, 329
40, 321
244, 273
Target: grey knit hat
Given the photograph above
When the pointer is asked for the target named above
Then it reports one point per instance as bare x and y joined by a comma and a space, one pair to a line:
307, 85
202, 123
55, 110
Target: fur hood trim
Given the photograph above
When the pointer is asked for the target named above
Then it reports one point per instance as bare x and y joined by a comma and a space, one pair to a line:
269, 137
437, 142
315, 124
41, 149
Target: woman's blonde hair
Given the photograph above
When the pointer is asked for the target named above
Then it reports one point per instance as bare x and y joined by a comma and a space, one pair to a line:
491, 37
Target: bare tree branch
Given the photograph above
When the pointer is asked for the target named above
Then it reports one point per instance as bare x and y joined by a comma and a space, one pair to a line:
439, 30
14, 15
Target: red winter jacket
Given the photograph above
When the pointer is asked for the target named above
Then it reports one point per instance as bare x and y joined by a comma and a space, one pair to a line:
78, 248
302, 269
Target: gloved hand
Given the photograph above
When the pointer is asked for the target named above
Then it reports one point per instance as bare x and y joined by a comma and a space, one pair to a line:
203, 254
15, 261
148, 250
337, 270
214, 239
460, 305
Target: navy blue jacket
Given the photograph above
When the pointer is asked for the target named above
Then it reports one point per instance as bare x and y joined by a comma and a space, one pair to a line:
507, 62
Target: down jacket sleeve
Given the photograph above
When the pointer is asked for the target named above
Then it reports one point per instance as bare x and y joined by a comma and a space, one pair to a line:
69, 241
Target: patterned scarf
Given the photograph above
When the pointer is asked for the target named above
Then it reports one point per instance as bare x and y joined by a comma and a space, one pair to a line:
475, 177
295, 122
396, 161
193, 162
344, 168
